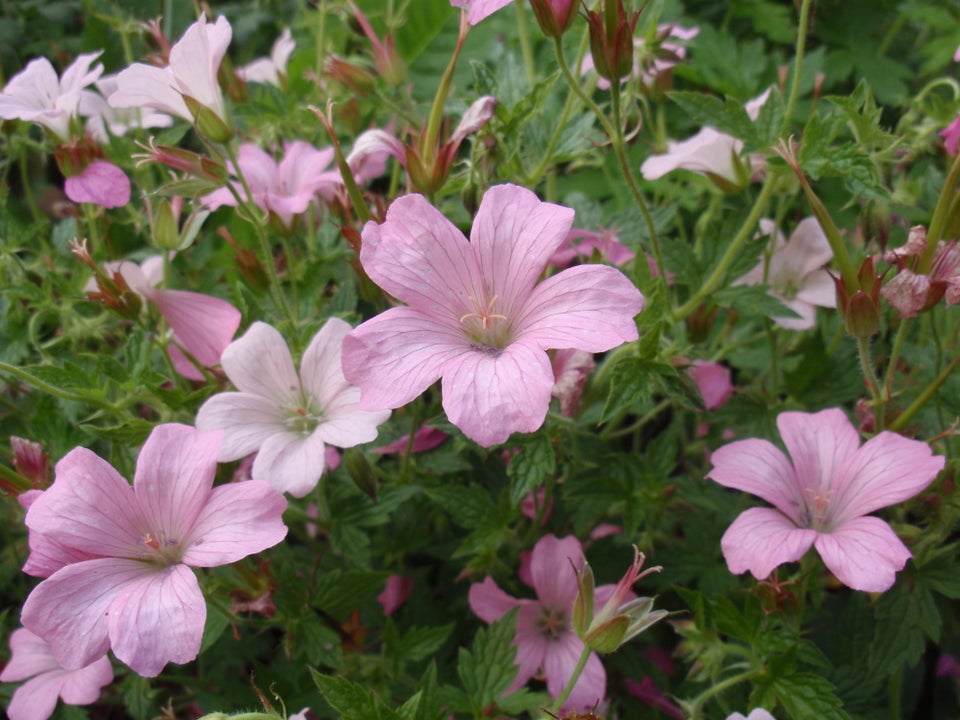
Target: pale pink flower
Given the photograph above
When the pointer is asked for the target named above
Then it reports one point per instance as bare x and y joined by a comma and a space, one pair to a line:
478, 10
36, 94
651, 61
822, 494
137, 594
547, 646
796, 275
287, 418
713, 381
270, 70
395, 593
103, 120
101, 183
710, 152
202, 325
475, 315
47, 680
570, 371
426, 438
285, 189
192, 73
756, 714
604, 242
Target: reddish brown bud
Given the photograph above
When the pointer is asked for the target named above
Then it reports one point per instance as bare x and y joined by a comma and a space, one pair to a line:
555, 16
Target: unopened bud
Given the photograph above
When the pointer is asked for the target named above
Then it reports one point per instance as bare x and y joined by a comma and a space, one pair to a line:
31, 461
166, 235
208, 123
555, 16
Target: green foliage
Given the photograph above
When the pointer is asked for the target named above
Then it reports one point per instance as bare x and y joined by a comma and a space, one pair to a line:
487, 668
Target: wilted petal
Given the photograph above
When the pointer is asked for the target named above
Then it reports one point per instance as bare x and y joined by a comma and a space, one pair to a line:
101, 183
426, 438
864, 554
761, 539
907, 292
476, 116
709, 151
203, 324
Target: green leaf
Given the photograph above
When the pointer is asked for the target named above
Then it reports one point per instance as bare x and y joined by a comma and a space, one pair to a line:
631, 380
752, 301
807, 695
420, 643
530, 468
352, 701
138, 697
339, 592
132, 432
489, 666
906, 616
729, 117
217, 622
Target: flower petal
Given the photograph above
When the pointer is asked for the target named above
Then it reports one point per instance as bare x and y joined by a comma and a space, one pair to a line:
558, 665
551, 568
101, 183
158, 618
513, 235
819, 444
864, 553
588, 307
82, 687
259, 363
238, 520
204, 325
759, 468
320, 370
488, 601
398, 354
760, 539
247, 422
489, 396
36, 699
140, 86
30, 655
291, 462
888, 469
709, 151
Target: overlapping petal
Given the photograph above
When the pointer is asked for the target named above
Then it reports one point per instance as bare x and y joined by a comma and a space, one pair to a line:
760, 539
759, 468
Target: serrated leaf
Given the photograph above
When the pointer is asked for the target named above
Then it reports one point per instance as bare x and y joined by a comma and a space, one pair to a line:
807, 695
132, 432
338, 592
352, 701
631, 380
752, 301
420, 643
729, 117
138, 697
530, 468
488, 668
906, 616
217, 622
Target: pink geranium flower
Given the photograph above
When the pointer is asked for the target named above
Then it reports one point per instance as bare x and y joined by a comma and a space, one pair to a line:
822, 494
795, 273
475, 315
191, 75
713, 381
547, 646
47, 680
478, 10
284, 189
36, 94
395, 593
285, 417
137, 594
270, 70
103, 120
101, 183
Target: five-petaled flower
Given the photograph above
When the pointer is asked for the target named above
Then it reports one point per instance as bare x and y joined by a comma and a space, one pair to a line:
120, 557
546, 643
475, 315
822, 494
285, 417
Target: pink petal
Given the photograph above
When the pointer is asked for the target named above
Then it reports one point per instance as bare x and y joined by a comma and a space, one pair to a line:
395, 593
82, 687
479, 113
807, 250
760, 539
888, 469
158, 618
421, 258
759, 468
819, 289
398, 354
345, 425
588, 307
709, 151
489, 397
174, 477
320, 369
551, 567
371, 149
291, 462
101, 183
238, 520
532, 644
478, 10
195, 60
819, 444
864, 554
513, 236
89, 508
488, 601
30, 655
71, 608
143, 86
203, 324
558, 665
259, 363
247, 422
807, 314
36, 699
713, 381
426, 438
907, 292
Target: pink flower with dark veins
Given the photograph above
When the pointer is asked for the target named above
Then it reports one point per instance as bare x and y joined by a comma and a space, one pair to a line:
823, 494
47, 680
547, 646
475, 315
137, 594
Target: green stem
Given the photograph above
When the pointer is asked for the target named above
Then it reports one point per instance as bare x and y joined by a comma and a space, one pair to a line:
568, 688
907, 415
523, 31
798, 65
941, 217
57, 392
894, 359
866, 365
614, 132
716, 689
430, 138
896, 691
733, 252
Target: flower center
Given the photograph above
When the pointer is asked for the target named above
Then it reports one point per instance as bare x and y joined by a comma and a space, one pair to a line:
815, 514
552, 623
785, 286
304, 419
489, 329
158, 549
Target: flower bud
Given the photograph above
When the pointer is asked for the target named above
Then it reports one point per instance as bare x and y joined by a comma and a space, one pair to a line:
31, 461
353, 77
611, 40
861, 305
208, 123
555, 16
